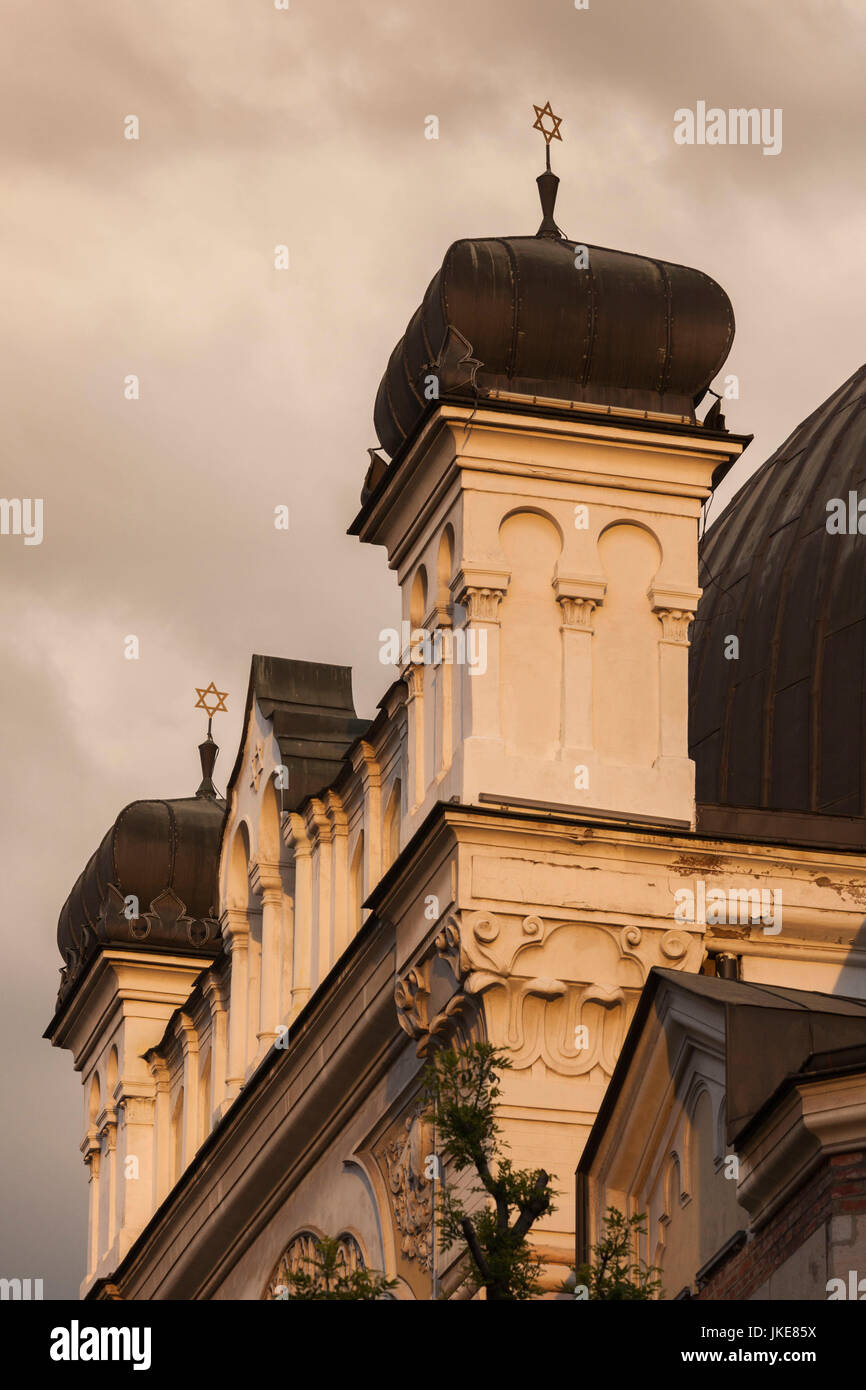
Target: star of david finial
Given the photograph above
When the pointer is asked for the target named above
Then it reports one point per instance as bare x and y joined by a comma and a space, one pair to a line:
547, 182
212, 701
538, 124
215, 703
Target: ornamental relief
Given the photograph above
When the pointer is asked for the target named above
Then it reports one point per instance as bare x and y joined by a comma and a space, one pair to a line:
573, 1018
430, 1002
403, 1161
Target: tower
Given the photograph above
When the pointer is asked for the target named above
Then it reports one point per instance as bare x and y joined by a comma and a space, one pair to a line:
541, 511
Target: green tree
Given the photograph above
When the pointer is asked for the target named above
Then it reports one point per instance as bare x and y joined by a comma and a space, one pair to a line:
612, 1273
328, 1280
461, 1087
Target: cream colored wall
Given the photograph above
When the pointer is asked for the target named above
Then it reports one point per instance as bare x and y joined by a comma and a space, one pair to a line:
584, 696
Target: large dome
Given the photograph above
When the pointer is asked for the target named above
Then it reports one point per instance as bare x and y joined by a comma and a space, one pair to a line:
165, 855
516, 314
783, 726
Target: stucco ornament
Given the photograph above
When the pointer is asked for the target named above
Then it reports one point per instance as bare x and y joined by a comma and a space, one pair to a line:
411, 1192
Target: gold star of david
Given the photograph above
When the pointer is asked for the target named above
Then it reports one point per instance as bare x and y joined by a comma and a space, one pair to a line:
538, 123
219, 696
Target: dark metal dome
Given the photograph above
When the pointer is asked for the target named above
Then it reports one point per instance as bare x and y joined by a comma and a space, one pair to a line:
783, 727
165, 854
516, 314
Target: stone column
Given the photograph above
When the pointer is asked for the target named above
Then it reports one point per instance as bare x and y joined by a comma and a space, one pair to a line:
108, 1133
188, 1038
578, 600
236, 932
675, 611
339, 873
413, 678
215, 995
267, 883
91, 1149
443, 714
302, 930
365, 764
136, 1159
319, 834
481, 592
162, 1146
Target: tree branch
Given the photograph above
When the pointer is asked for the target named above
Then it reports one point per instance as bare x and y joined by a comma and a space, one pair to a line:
534, 1207
475, 1249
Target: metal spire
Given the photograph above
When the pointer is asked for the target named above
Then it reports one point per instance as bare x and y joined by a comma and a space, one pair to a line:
211, 701
547, 182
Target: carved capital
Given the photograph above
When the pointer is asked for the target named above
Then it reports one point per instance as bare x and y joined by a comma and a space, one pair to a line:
675, 610
482, 605
91, 1150
413, 677
266, 882
235, 929
577, 612
675, 624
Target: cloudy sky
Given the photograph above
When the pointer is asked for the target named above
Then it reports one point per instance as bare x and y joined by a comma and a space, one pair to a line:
155, 257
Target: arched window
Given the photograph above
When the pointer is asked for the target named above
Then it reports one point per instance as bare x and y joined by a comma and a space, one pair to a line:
299, 1256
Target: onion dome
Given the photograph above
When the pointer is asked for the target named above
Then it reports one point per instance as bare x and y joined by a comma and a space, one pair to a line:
781, 726
544, 316
151, 883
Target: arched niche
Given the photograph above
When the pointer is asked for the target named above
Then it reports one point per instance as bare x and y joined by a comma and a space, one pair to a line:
445, 566
238, 881
625, 659
269, 838
531, 644
95, 1099
391, 825
356, 884
418, 597
111, 1075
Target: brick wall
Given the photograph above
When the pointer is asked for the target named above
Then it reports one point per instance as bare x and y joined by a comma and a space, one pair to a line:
837, 1187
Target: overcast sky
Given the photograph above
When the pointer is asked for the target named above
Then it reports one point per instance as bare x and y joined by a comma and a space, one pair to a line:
260, 127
